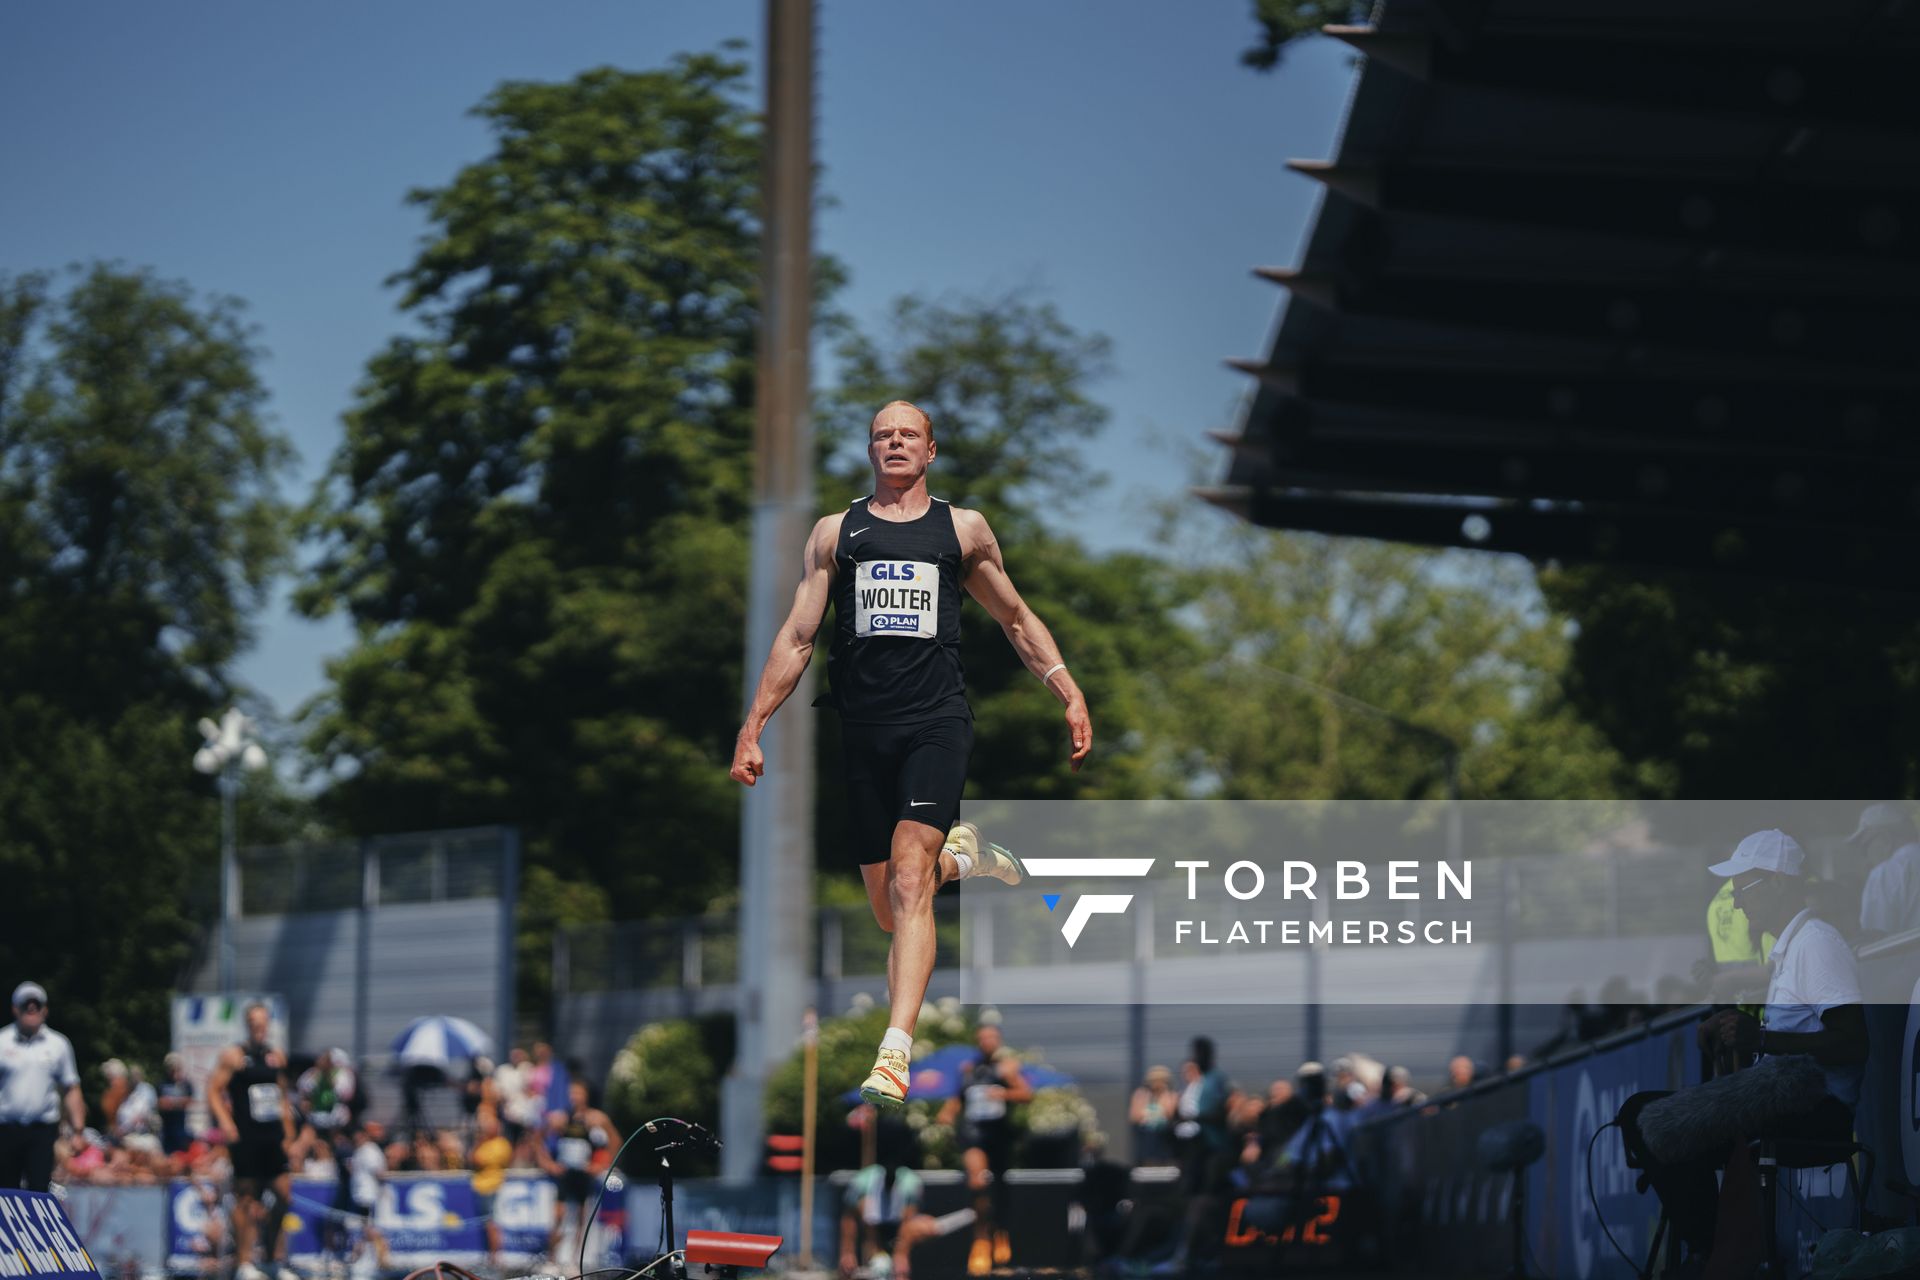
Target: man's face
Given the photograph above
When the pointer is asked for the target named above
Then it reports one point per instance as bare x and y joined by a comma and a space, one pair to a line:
257, 1025
988, 1039
31, 1015
1761, 895
899, 445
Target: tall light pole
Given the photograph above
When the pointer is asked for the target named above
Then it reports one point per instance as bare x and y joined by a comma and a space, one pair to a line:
776, 820
228, 749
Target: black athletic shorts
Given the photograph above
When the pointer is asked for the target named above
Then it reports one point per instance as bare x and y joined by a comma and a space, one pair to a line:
898, 773
258, 1162
576, 1186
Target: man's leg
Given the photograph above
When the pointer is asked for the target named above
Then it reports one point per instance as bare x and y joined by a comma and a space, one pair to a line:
277, 1201
980, 1258
999, 1160
849, 1227
912, 877
13, 1155
40, 1140
245, 1207
915, 1229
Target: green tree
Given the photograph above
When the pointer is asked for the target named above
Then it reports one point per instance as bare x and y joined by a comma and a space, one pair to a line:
1713, 687
1008, 384
671, 1068
1459, 646
537, 520
139, 530
1282, 21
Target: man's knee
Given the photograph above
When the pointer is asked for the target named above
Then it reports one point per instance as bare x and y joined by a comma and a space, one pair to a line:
912, 883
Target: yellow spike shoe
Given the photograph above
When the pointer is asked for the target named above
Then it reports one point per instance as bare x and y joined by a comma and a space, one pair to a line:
886, 1084
988, 859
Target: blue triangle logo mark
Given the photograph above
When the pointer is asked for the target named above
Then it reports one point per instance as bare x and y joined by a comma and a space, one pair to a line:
1052, 900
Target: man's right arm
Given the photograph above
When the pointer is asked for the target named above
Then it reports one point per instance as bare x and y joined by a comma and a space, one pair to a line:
792, 648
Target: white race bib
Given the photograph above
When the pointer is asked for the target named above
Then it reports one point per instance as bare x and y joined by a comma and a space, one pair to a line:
982, 1105
574, 1152
263, 1101
896, 598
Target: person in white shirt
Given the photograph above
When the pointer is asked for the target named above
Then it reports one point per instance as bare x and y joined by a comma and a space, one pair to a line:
139, 1113
1814, 1007
1890, 900
520, 1109
38, 1084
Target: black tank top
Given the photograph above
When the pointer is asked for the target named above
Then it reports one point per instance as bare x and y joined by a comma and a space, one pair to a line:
896, 603
253, 1096
981, 1109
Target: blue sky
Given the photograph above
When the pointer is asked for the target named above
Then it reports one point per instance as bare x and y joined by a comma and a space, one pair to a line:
1110, 156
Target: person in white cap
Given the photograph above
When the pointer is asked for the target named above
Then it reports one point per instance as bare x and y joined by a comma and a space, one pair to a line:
1890, 901
38, 1082
1814, 1007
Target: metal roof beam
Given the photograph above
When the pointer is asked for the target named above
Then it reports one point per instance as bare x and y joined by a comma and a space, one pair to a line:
1866, 222
1738, 321
1578, 536
1867, 85
1806, 492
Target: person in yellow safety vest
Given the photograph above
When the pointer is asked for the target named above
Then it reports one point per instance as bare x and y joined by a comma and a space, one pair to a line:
1741, 964
1727, 928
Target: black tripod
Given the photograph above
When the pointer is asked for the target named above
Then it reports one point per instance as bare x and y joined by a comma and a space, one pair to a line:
691, 1135
1309, 1175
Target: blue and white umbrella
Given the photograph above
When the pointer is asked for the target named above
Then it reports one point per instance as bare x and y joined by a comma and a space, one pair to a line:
439, 1042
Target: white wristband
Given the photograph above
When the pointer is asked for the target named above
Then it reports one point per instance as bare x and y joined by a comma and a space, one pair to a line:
1048, 673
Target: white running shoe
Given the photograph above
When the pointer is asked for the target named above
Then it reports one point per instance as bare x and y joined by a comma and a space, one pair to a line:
247, 1271
286, 1273
988, 859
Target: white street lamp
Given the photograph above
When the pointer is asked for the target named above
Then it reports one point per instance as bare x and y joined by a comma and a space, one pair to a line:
229, 748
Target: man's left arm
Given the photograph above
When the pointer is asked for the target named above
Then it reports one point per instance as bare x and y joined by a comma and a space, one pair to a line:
1840, 1042
290, 1131
987, 581
69, 1080
1015, 1082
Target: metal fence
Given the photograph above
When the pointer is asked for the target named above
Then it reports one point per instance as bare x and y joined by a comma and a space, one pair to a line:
1617, 896
432, 866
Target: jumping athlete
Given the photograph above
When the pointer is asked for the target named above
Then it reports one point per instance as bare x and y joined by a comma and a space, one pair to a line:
247, 1094
893, 564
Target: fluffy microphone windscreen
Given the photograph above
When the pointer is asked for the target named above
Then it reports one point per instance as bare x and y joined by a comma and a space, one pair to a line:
1708, 1117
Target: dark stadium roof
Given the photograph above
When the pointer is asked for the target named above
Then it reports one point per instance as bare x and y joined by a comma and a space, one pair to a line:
1620, 280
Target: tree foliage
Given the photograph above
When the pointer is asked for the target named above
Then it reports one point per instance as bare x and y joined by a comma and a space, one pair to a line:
139, 528
1457, 649
537, 519
1282, 21
1711, 687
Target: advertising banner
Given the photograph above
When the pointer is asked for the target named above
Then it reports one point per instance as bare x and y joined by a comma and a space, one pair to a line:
37, 1240
423, 1218
1571, 1103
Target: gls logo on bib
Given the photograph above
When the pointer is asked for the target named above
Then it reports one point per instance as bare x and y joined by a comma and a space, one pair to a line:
896, 598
